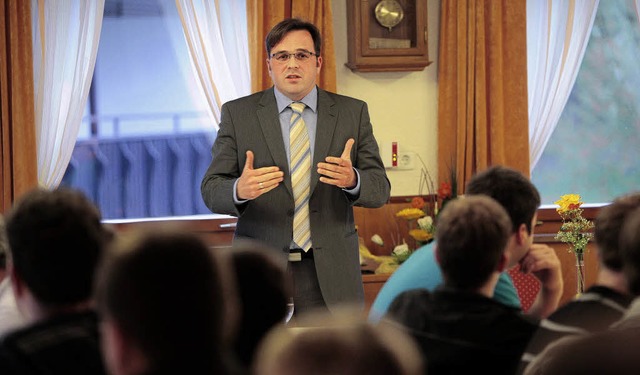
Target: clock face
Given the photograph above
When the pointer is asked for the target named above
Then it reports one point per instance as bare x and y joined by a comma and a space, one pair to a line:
389, 13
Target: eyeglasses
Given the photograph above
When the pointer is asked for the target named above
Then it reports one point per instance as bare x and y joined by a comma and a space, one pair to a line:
302, 55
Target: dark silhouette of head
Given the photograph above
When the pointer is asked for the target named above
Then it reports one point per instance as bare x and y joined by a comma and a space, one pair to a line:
56, 240
608, 225
515, 193
263, 290
471, 239
163, 292
630, 250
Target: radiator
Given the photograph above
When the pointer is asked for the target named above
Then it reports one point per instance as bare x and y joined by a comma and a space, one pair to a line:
138, 177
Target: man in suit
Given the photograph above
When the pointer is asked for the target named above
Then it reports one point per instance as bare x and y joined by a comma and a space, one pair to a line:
250, 175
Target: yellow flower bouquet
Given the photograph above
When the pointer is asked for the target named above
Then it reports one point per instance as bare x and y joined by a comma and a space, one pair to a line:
575, 228
575, 232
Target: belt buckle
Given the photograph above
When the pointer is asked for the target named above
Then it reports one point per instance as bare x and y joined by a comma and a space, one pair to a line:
295, 257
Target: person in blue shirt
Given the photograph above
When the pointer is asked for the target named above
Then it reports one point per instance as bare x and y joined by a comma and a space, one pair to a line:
521, 200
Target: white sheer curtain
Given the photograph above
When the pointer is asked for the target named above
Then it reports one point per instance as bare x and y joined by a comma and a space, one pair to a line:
218, 47
637, 3
66, 35
557, 35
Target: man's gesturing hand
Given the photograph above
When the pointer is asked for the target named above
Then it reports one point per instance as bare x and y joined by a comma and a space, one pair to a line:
255, 182
339, 171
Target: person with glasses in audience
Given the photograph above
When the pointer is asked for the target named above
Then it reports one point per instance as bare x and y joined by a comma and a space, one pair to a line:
290, 162
521, 199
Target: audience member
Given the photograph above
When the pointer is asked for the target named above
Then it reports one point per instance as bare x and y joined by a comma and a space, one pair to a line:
520, 199
459, 327
161, 302
338, 345
630, 244
56, 240
606, 352
603, 303
10, 316
263, 291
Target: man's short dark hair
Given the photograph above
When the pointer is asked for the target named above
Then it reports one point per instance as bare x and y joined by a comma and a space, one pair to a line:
279, 31
471, 238
56, 240
165, 290
517, 195
630, 250
608, 225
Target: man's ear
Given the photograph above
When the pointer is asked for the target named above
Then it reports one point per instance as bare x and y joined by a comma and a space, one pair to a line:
522, 234
502, 263
268, 65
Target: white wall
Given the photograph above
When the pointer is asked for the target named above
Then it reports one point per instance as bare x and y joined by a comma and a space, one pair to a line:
403, 105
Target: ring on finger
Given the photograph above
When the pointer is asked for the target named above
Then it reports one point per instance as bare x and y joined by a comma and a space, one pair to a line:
260, 185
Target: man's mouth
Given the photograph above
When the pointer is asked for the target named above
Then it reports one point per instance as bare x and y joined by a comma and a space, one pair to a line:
293, 76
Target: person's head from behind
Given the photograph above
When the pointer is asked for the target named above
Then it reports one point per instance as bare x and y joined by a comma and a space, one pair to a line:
160, 298
611, 351
517, 195
293, 57
56, 240
630, 250
471, 238
263, 290
338, 344
608, 225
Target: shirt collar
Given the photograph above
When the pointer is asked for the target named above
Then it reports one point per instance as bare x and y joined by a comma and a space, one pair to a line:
310, 100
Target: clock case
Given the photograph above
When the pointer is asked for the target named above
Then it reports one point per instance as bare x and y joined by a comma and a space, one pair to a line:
373, 48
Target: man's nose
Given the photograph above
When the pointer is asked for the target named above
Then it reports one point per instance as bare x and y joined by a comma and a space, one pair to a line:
292, 62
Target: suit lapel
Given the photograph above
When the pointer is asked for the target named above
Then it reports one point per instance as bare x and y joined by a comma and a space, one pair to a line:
327, 119
270, 124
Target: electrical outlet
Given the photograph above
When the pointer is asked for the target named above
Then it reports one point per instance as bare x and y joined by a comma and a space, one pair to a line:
407, 160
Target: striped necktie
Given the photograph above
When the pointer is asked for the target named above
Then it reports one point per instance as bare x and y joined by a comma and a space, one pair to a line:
300, 168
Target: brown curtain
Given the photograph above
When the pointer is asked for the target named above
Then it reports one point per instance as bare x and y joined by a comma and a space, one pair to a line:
17, 118
263, 15
482, 87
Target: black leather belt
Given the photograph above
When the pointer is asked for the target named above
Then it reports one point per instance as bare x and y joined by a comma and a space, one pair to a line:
297, 255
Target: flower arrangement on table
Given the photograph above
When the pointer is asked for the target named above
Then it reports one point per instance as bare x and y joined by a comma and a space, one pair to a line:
574, 231
419, 219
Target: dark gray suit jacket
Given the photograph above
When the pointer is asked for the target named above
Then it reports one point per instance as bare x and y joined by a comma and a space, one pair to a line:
252, 123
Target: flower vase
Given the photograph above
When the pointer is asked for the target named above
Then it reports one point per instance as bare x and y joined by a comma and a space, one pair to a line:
580, 274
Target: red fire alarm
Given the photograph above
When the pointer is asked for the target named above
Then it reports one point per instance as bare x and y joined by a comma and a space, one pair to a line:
394, 154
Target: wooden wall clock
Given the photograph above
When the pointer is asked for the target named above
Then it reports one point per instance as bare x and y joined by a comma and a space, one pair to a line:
387, 35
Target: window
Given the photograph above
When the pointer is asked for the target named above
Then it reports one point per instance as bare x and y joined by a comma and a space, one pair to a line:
146, 137
593, 150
